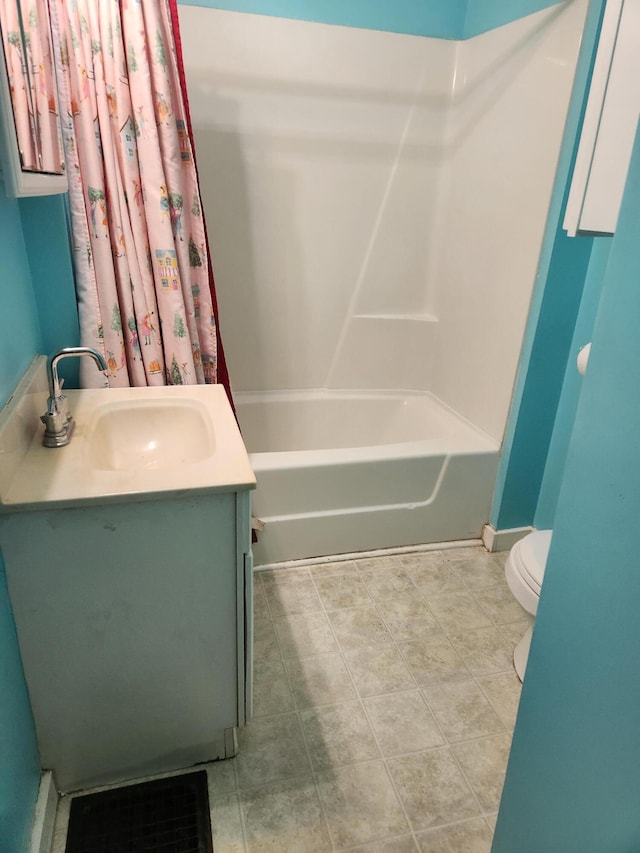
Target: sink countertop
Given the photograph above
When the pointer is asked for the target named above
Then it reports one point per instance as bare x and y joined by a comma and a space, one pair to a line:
35, 477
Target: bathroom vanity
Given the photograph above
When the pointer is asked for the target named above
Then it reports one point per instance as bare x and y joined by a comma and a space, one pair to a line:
132, 600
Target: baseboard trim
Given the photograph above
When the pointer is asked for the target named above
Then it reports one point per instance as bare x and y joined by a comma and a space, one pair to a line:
379, 552
45, 815
503, 540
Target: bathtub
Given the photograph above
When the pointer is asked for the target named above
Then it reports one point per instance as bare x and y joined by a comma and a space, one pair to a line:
347, 471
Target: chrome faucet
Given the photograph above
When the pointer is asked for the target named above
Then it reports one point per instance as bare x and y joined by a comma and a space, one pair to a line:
58, 420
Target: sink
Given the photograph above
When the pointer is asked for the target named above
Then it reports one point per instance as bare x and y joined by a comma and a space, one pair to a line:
128, 443
149, 434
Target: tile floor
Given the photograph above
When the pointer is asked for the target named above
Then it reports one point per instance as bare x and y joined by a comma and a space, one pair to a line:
385, 699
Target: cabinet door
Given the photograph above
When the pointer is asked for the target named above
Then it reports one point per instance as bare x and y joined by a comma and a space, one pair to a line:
609, 125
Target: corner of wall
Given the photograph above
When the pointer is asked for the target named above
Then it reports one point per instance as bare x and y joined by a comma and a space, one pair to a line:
565, 261
484, 15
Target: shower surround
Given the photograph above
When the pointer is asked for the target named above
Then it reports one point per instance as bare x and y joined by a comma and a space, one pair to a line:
376, 204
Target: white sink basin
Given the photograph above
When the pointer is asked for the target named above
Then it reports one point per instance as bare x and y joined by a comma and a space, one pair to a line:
149, 434
128, 442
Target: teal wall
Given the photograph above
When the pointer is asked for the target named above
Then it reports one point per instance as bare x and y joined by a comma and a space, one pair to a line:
449, 19
572, 385
20, 337
483, 15
20, 340
46, 236
573, 781
560, 280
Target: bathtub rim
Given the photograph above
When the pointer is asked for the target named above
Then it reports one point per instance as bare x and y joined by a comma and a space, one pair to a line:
475, 441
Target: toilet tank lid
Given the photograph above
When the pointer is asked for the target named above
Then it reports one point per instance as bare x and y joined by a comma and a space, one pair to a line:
534, 550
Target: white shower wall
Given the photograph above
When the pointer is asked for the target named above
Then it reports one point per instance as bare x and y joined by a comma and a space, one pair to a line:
376, 201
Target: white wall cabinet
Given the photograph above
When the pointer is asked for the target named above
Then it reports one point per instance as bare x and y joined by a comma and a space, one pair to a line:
610, 122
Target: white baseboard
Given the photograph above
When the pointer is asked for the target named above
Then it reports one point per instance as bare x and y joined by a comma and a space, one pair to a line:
45, 815
503, 540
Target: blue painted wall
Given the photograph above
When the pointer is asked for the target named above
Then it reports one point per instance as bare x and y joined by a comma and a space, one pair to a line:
20, 337
20, 340
483, 15
557, 296
572, 385
46, 236
573, 782
453, 19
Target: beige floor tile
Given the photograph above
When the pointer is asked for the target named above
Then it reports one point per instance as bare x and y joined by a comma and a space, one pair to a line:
457, 611
59, 841
491, 820
226, 824
271, 749
60, 826
465, 552
462, 710
514, 631
383, 562
305, 634
378, 669
403, 723
426, 559
260, 606
404, 844
471, 836
484, 650
500, 605
479, 572
221, 777
503, 691
432, 788
433, 660
500, 558
271, 694
265, 642
285, 817
338, 734
484, 763
431, 574
319, 680
345, 590
360, 804
388, 583
295, 595
292, 573
359, 626
409, 619
335, 567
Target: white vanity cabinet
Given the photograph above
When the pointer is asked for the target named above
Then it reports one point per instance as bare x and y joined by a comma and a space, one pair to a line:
134, 627
129, 568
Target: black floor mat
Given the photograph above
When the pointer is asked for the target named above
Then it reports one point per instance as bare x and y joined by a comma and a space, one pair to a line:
164, 816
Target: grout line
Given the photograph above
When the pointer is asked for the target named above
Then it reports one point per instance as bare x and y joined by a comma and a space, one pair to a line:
363, 708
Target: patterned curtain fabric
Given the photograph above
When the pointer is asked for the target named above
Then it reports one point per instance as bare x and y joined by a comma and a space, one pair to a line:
32, 83
139, 246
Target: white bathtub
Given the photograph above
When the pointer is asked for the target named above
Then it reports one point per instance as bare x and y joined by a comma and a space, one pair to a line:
344, 471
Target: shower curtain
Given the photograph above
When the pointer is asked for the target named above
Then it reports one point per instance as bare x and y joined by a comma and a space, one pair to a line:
143, 275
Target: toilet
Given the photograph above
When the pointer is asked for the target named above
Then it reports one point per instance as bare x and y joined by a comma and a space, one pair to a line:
524, 571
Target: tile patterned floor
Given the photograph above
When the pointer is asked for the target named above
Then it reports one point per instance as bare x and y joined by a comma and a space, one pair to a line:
385, 699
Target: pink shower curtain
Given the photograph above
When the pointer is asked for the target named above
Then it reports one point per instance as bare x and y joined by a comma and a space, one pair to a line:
32, 83
139, 243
